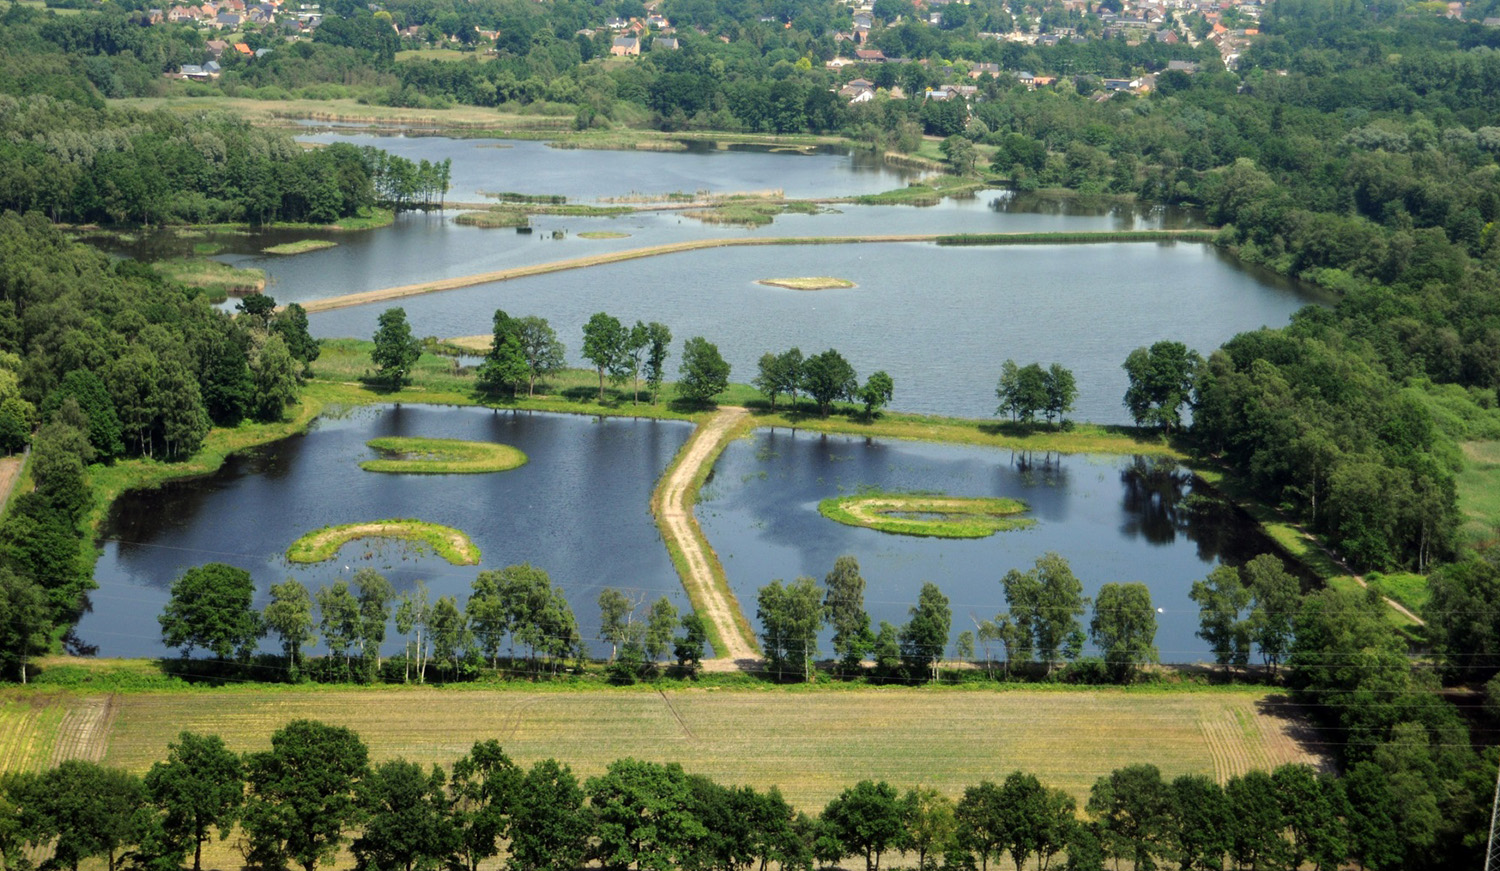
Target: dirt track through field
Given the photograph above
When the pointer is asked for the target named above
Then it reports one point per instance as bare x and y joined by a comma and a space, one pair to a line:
676, 512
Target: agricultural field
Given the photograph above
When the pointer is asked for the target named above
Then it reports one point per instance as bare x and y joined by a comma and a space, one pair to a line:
811, 744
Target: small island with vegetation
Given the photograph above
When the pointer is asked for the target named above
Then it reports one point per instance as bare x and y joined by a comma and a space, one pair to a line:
422, 456
451, 544
301, 246
927, 514
815, 282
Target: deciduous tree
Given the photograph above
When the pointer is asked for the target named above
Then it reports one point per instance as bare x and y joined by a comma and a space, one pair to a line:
396, 349
844, 609
1124, 628
704, 373
211, 608
303, 794
200, 786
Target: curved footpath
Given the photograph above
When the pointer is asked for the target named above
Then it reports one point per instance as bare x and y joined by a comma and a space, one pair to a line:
674, 511
386, 294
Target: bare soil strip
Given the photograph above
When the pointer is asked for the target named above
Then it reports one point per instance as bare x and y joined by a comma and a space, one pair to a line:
84, 733
676, 514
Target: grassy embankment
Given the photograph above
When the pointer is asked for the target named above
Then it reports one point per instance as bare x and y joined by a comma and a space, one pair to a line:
927, 514
719, 579
810, 743
451, 544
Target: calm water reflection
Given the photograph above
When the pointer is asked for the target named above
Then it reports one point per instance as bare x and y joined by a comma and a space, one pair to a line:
1116, 519
579, 509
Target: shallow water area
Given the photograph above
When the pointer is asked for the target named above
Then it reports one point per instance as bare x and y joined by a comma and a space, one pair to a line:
580, 509
1115, 519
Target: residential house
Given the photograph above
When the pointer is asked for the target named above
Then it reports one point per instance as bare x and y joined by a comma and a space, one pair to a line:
216, 48
856, 95
982, 69
213, 69
194, 72
1184, 66
227, 21
1166, 37
179, 14
243, 49
155, 16
262, 52
665, 43
838, 63
625, 46
1026, 78
869, 55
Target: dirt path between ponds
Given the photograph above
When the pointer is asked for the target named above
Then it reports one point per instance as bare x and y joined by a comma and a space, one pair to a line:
676, 513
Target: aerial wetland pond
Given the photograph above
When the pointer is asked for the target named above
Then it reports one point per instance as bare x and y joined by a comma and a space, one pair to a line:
939, 320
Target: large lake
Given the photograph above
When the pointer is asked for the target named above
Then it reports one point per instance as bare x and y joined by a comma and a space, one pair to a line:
1116, 519
939, 320
580, 508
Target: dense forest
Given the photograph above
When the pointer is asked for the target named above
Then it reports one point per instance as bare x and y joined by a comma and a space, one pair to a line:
1352, 146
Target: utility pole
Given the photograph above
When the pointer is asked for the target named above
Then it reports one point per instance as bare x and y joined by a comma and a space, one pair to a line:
1489, 854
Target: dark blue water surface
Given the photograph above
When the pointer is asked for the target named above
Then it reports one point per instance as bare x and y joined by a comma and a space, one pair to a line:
580, 508
1115, 519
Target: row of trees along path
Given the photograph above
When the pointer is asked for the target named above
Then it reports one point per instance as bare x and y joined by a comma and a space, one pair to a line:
674, 513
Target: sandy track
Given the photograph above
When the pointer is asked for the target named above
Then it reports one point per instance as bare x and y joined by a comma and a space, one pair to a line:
405, 290
676, 513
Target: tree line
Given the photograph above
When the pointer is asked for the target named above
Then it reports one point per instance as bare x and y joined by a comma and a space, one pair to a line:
79, 164
316, 792
516, 610
824, 378
1040, 628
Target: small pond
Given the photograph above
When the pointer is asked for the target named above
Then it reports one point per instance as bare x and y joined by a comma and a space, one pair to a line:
1115, 519
580, 508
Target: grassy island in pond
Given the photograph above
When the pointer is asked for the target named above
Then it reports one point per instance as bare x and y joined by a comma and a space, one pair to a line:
449, 543
603, 234
219, 280
816, 282
927, 514
300, 247
441, 456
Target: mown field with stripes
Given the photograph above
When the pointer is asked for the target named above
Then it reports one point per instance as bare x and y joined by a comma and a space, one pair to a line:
810, 743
